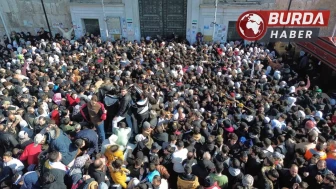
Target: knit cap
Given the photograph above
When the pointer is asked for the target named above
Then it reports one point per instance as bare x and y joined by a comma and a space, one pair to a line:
248, 181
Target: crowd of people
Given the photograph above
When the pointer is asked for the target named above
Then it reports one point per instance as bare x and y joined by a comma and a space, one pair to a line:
89, 113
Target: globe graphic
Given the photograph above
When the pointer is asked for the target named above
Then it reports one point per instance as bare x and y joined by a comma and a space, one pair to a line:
251, 26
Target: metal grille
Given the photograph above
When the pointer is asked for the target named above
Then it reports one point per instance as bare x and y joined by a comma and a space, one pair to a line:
163, 17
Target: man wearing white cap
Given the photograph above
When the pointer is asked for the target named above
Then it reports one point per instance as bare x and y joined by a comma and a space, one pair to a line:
24, 139
32, 151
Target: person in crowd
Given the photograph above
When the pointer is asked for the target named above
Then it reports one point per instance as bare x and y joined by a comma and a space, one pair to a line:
124, 108
95, 113
32, 151
87, 139
14, 164
118, 173
187, 179
176, 114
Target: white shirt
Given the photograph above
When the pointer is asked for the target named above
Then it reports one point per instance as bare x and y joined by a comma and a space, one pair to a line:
123, 135
57, 165
15, 164
177, 159
164, 184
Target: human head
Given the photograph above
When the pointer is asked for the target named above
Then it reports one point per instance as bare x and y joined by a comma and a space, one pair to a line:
80, 143
247, 181
123, 91
294, 170
273, 175
321, 164
7, 156
243, 157
98, 164
156, 181
55, 156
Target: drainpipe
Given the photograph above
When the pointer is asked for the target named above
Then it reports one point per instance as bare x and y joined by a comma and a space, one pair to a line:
4, 23
105, 20
289, 5
214, 23
46, 17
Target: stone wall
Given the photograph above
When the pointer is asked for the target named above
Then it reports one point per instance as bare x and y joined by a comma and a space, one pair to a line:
28, 15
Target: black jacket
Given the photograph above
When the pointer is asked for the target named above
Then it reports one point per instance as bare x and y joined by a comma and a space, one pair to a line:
124, 105
99, 176
287, 180
160, 138
8, 141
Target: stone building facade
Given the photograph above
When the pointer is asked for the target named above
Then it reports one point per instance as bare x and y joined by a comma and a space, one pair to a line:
134, 19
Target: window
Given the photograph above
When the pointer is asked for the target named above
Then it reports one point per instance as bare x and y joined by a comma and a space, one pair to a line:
232, 34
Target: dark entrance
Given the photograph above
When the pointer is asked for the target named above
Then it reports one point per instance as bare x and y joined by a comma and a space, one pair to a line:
163, 17
92, 26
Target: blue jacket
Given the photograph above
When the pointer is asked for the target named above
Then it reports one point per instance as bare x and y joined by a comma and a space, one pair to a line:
150, 176
30, 181
63, 144
90, 136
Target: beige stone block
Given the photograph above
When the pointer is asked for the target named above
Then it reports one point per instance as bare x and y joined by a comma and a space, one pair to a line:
29, 6
53, 8
13, 20
39, 20
13, 5
47, 7
62, 8
37, 7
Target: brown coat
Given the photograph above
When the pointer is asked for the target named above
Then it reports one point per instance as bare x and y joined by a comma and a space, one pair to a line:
163, 171
94, 113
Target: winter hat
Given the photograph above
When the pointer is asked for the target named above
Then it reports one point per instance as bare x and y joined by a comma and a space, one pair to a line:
248, 181
277, 75
283, 84
227, 126
309, 124
291, 100
268, 70
242, 140
38, 139
57, 98
22, 135
292, 89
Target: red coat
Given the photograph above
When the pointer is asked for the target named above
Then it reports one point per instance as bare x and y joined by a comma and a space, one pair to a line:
72, 101
30, 154
55, 116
